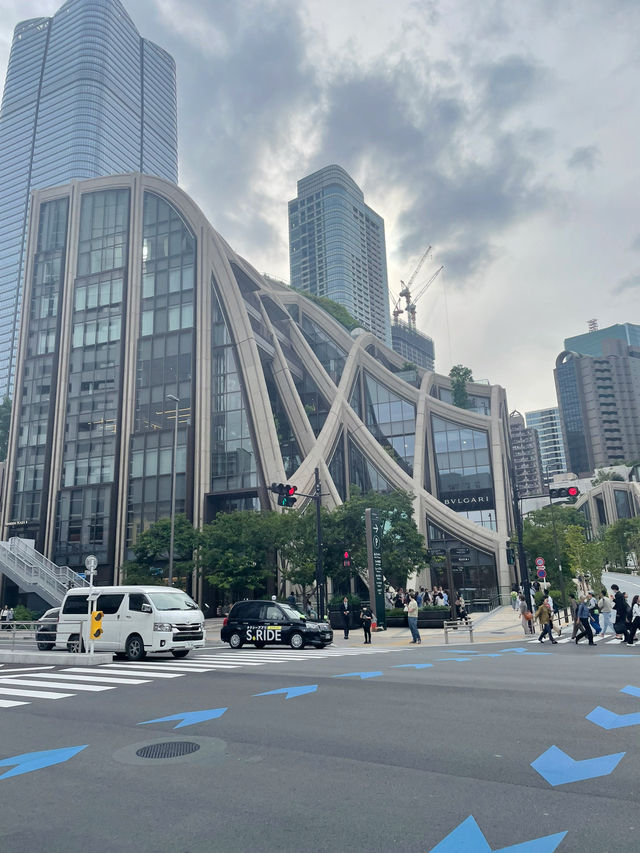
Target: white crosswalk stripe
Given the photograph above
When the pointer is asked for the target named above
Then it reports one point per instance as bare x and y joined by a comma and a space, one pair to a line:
25, 682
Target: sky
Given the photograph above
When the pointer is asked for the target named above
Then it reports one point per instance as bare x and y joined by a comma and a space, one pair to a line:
502, 134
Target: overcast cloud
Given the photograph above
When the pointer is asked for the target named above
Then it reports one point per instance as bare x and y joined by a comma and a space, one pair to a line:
503, 134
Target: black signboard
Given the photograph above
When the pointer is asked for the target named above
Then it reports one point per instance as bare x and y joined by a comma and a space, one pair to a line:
460, 551
437, 552
462, 559
376, 577
463, 501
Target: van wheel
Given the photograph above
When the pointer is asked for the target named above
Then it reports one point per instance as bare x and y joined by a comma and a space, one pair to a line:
235, 641
134, 648
74, 645
45, 647
180, 653
296, 641
260, 645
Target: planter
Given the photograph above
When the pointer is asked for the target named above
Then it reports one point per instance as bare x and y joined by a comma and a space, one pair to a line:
335, 620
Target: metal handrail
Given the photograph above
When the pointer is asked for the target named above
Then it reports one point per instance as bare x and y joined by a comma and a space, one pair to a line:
29, 630
37, 570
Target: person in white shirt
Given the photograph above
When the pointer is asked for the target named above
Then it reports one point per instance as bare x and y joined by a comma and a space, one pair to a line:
635, 619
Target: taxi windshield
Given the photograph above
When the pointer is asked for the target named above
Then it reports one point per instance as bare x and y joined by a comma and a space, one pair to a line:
172, 601
290, 612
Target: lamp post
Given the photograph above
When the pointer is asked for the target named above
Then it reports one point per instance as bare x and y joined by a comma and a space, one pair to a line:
172, 537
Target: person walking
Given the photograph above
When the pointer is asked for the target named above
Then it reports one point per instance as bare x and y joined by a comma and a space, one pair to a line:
583, 616
345, 610
543, 615
412, 619
621, 608
365, 618
525, 616
594, 612
573, 607
606, 608
635, 619
291, 599
4, 615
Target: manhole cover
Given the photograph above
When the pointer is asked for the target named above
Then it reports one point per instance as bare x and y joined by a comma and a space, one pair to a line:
173, 749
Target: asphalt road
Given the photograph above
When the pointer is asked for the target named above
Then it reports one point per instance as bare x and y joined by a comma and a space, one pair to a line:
432, 744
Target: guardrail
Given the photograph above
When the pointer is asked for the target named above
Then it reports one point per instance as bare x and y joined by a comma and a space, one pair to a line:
458, 625
21, 635
28, 568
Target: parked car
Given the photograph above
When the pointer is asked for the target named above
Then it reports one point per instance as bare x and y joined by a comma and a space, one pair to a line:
46, 631
269, 622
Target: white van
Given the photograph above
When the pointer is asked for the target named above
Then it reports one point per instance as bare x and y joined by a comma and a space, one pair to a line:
137, 620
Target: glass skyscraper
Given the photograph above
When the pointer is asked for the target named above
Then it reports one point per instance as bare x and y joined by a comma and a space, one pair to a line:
548, 425
84, 96
337, 248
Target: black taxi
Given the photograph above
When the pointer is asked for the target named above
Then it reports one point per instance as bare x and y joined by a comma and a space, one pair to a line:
273, 623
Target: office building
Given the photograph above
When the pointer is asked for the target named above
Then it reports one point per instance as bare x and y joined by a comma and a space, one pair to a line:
526, 457
599, 402
547, 425
591, 343
414, 346
337, 248
84, 96
146, 303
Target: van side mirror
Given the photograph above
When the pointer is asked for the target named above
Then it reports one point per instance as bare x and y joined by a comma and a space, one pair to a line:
146, 608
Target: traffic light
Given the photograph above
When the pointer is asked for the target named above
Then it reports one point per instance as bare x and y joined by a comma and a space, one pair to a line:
285, 492
95, 630
346, 560
565, 492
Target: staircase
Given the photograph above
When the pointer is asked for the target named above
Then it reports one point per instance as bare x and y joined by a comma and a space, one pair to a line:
33, 572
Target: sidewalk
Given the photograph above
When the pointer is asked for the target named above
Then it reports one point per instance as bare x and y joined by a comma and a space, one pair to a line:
501, 625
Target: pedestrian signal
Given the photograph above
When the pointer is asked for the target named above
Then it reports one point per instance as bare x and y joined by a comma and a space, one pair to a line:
96, 624
346, 560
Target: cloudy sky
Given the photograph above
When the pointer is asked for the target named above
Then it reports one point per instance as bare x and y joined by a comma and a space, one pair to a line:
503, 134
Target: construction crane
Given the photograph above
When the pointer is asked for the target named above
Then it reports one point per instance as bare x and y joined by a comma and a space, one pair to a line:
405, 293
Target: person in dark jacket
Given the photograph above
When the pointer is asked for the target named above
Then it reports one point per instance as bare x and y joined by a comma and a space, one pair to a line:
365, 617
622, 612
345, 610
543, 615
583, 618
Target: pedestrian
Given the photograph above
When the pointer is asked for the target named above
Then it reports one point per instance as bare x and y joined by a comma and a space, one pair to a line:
583, 616
621, 608
4, 615
461, 610
445, 597
594, 612
635, 619
526, 617
514, 599
543, 615
573, 607
307, 606
399, 602
412, 619
606, 607
345, 610
365, 618
291, 599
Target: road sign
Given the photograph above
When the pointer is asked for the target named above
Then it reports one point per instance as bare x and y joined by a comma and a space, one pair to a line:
91, 563
462, 559
438, 552
540, 561
460, 551
541, 573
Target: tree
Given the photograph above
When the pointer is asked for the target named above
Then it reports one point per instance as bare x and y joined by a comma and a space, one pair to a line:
459, 376
237, 551
296, 541
585, 558
153, 545
603, 475
539, 540
619, 540
5, 421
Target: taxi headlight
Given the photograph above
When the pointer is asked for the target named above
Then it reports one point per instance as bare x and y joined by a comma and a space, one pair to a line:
162, 626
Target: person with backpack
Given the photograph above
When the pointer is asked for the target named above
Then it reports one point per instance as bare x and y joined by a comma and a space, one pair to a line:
594, 613
543, 615
583, 617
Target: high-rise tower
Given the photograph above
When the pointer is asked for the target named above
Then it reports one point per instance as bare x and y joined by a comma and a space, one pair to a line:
84, 96
337, 248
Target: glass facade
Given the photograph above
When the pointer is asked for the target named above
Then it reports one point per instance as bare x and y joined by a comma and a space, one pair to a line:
337, 470
623, 503
364, 474
329, 354
463, 470
337, 248
477, 580
392, 421
546, 423
567, 383
84, 96
289, 448
164, 366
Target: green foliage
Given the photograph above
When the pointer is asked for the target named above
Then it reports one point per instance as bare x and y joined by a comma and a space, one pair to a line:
603, 476
460, 376
354, 601
585, 558
22, 614
338, 312
237, 550
294, 535
135, 573
619, 541
5, 421
152, 550
539, 541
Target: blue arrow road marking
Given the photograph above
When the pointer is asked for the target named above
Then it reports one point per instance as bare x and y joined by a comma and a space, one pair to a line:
494, 655
189, 718
459, 660
609, 720
29, 761
291, 692
519, 650
632, 691
372, 674
558, 768
412, 665
469, 837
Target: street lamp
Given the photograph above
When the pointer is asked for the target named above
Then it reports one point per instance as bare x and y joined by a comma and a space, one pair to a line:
172, 537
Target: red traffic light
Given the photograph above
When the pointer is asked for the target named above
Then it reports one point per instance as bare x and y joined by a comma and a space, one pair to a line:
291, 490
346, 555
573, 491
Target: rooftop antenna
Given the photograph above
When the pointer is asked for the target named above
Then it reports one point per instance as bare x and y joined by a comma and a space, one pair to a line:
593, 325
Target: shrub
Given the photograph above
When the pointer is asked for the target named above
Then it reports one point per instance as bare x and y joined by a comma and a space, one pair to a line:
22, 614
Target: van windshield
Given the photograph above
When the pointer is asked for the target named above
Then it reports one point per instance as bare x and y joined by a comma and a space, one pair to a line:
172, 601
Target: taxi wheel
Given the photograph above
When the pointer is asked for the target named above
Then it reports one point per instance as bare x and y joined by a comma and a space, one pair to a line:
235, 640
260, 645
296, 641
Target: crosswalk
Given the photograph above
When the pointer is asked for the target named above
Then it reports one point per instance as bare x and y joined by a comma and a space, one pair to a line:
22, 685
566, 638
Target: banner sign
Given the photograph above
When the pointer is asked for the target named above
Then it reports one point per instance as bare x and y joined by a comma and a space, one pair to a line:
374, 564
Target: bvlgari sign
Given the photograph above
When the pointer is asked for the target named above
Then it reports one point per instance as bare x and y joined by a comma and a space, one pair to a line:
463, 501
